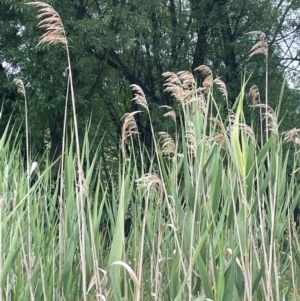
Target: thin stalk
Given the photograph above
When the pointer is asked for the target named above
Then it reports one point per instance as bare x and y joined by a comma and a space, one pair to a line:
28, 197
60, 198
267, 88
26, 261
140, 262
261, 127
21, 89
242, 259
165, 190
43, 280
272, 199
94, 253
197, 186
55, 33
262, 228
1, 251
81, 182
158, 277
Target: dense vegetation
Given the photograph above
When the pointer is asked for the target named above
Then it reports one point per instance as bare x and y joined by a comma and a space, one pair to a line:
187, 192
116, 43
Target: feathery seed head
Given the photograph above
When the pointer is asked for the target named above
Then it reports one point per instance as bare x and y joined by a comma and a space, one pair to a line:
200, 102
218, 123
129, 127
20, 85
261, 34
170, 113
51, 22
205, 70
151, 181
168, 145
220, 139
207, 83
171, 77
139, 96
179, 93
222, 87
291, 135
247, 130
261, 46
207, 73
187, 79
180, 85
254, 94
271, 116
191, 138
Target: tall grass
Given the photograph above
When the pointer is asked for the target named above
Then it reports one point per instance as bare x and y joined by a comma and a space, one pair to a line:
210, 219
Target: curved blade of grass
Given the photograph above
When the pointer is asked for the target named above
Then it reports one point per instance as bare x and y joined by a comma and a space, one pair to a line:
129, 270
197, 256
10, 259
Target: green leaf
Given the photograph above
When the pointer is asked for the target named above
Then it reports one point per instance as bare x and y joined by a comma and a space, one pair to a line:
11, 256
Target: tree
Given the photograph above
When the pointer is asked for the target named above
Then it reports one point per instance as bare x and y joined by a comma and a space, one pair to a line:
115, 43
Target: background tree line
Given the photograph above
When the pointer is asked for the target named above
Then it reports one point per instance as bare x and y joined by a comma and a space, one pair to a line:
115, 43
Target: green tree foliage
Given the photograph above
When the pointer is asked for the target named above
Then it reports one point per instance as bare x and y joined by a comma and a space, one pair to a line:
115, 43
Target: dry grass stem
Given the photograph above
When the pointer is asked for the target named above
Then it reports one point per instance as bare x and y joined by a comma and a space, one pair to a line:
52, 23
296, 170
21, 89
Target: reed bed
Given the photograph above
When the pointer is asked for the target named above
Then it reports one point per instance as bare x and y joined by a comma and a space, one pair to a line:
209, 216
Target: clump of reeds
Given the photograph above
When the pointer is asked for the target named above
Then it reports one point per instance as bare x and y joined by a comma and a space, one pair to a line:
210, 219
